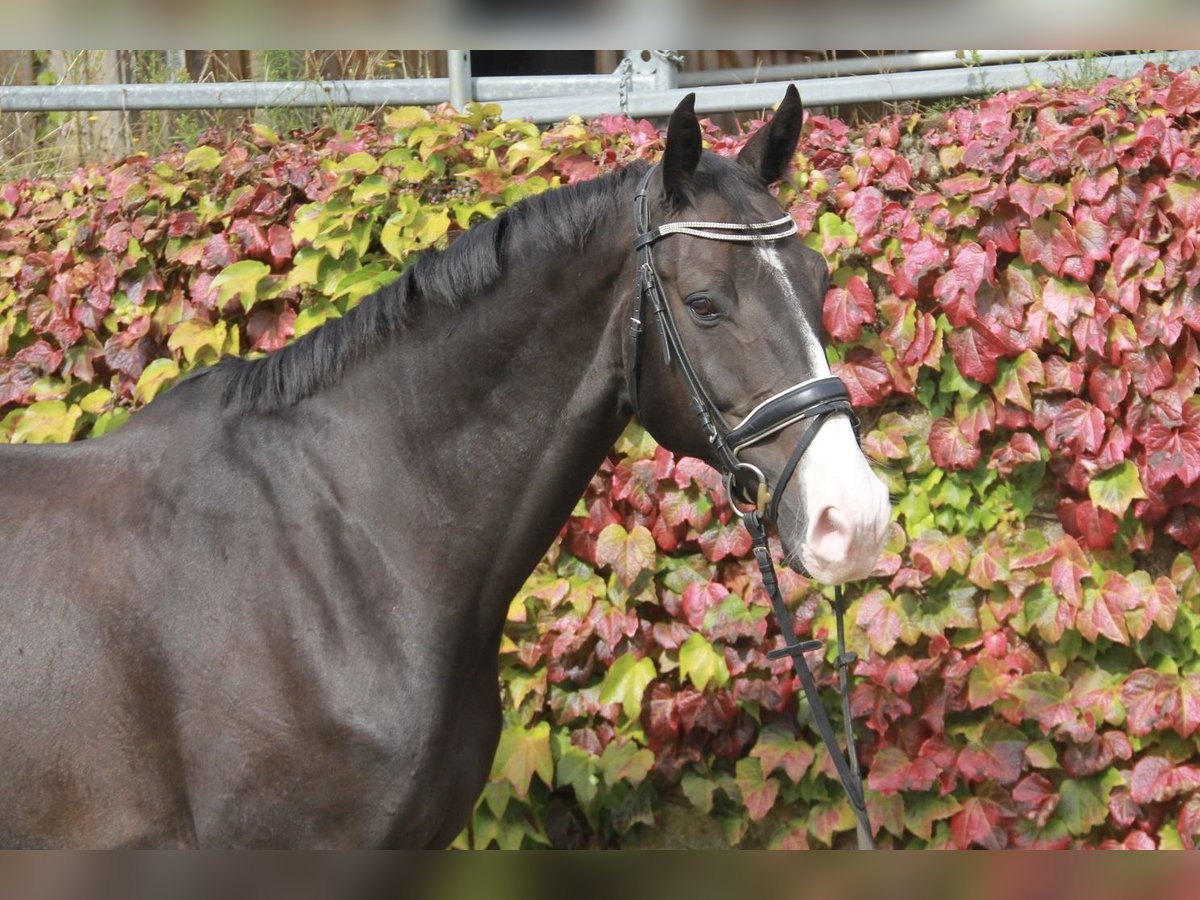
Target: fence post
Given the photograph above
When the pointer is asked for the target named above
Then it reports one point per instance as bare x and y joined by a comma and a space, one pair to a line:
663, 65
458, 67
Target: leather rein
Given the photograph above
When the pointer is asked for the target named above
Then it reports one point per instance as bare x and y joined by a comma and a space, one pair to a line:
749, 491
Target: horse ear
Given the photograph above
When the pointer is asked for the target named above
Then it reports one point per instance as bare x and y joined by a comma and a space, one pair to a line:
683, 150
769, 152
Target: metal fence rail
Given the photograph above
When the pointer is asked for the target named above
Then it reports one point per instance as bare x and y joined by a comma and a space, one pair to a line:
820, 92
644, 85
864, 65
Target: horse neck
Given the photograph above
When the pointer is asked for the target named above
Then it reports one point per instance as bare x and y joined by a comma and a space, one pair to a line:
489, 420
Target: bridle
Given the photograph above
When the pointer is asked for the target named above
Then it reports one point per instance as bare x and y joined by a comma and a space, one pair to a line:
749, 491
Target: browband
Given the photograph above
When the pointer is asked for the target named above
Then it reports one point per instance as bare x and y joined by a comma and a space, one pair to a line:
784, 226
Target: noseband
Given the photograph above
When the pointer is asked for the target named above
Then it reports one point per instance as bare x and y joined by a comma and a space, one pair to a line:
749, 491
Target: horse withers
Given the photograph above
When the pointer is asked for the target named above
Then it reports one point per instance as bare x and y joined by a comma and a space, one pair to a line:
267, 611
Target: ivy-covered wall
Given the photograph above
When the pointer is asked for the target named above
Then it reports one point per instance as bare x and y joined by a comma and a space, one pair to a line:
1014, 309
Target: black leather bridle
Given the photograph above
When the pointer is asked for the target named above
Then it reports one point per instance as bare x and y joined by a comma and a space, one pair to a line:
749, 491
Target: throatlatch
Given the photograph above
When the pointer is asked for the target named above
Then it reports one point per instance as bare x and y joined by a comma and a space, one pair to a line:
748, 488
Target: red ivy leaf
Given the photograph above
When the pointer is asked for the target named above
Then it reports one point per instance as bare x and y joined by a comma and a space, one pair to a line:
1155, 779
976, 351
880, 615
720, 540
892, 771
848, 309
865, 375
269, 330
956, 288
980, 822
997, 756
950, 448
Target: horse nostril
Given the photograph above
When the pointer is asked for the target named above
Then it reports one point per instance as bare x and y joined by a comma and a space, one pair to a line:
830, 534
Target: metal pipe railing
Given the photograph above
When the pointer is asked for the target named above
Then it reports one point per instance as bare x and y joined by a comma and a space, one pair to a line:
864, 65
824, 92
553, 98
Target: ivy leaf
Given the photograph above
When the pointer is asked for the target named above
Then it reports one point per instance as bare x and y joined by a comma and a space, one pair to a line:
576, 769
1146, 695
893, 771
689, 506
199, 340
1080, 806
625, 682
880, 614
976, 352
1015, 377
721, 540
625, 762
827, 819
1115, 489
522, 753
865, 375
700, 663
154, 378
1044, 697
314, 316
1156, 779
202, 159
848, 308
997, 755
1102, 613
758, 792
950, 448
956, 288
699, 791
778, 748
629, 553
938, 552
1067, 300
979, 822
923, 810
241, 280
46, 422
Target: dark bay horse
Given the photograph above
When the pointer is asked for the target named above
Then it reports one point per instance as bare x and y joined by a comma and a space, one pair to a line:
267, 611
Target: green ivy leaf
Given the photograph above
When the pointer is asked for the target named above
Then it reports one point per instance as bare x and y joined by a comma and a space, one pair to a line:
202, 159
1080, 806
1116, 488
362, 282
155, 378
95, 402
625, 682
921, 811
46, 422
700, 662
523, 753
699, 791
110, 421
576, 768
313, 316
241, 280
625, 762
200, 341
360, 163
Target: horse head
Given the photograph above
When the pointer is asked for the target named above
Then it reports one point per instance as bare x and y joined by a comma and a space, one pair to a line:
740, 340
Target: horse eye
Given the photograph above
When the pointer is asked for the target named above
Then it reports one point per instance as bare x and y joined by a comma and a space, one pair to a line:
702, 307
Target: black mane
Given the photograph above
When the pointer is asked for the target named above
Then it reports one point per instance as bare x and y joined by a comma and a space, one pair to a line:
554, 220
562, 218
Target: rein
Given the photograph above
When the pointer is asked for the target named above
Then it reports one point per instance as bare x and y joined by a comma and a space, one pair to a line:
748, 488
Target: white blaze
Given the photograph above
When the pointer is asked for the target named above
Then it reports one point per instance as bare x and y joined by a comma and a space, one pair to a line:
846, 505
